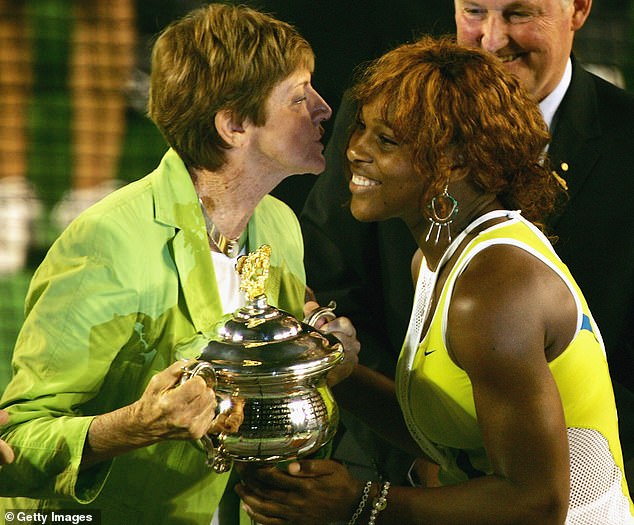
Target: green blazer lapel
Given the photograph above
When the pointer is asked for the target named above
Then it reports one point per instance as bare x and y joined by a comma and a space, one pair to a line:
198, 280
177, 205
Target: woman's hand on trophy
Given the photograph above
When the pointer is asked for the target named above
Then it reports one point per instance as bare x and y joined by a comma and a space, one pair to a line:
303, 495
343, 329
171, 408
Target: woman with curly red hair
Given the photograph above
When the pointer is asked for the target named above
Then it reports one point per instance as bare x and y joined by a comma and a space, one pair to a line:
502, 380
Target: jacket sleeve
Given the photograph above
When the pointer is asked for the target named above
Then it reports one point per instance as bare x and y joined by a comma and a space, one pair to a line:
78, 317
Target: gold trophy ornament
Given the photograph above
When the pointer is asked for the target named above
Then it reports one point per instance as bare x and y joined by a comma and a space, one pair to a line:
275, 366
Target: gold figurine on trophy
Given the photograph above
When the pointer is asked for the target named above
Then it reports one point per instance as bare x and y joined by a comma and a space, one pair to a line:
254, 270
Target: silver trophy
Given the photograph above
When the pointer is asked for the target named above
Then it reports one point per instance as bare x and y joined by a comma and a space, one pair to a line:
275, 367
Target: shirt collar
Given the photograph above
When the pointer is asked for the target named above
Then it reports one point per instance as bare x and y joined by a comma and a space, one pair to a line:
551, 103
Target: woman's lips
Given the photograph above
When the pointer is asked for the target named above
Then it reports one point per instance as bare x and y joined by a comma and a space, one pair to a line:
360, 180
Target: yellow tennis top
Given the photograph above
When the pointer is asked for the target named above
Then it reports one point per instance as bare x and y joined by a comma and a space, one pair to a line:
437, 396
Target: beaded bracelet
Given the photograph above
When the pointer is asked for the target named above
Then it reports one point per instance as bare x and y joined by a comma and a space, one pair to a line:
364, 498
379, 503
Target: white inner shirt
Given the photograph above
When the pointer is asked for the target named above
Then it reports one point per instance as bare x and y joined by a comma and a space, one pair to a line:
228, 281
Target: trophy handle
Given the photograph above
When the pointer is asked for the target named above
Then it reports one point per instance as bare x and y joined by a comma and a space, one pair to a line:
217, 457
202, 369
322, 312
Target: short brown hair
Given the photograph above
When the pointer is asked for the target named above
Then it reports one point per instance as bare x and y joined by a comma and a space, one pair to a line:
218, 57
441, 97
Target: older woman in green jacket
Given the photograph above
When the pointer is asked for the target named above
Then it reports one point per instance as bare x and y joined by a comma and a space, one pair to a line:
99, 419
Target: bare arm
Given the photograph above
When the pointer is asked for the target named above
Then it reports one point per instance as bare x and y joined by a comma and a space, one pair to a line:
499, 339
508, 313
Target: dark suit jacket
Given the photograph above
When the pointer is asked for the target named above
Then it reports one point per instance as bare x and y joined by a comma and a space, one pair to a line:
366, 267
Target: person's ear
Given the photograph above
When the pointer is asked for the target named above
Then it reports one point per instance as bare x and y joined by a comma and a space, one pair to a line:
229, 128
580, 14
453, 163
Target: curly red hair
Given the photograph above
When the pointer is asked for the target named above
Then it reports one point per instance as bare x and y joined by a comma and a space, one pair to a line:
458, 109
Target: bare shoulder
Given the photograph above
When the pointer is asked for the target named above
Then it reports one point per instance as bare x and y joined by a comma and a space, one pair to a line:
506, 303
501, 271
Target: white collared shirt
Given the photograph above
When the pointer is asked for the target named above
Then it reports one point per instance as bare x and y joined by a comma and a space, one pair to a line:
551, 103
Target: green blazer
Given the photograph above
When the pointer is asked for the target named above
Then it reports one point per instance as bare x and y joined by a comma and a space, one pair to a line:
125, 291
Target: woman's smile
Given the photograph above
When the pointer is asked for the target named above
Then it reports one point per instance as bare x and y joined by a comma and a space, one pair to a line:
360, 181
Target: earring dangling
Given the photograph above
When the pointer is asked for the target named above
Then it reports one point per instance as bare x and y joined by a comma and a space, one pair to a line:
443, 209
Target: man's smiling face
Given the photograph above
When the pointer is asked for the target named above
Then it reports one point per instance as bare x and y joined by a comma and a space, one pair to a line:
532, 37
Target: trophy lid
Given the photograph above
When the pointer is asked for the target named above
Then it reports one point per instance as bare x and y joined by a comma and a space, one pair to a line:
259, 340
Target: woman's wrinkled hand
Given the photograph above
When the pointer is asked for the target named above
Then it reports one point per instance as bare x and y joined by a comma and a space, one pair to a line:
305, 493
343, 329
171, 410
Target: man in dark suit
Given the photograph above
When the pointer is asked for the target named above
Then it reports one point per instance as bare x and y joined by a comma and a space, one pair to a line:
366, 267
